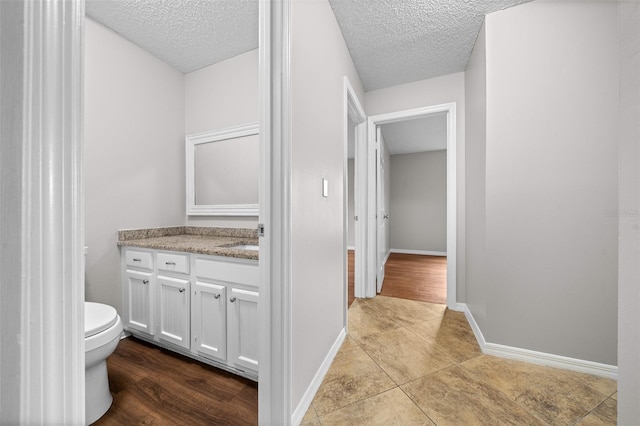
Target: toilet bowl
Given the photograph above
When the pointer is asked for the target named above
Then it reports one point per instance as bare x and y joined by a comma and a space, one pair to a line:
102, 329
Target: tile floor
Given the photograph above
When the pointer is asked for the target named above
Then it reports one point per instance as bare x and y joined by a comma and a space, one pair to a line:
416, 363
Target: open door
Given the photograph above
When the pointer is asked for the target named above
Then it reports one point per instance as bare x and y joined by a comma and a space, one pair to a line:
382, 215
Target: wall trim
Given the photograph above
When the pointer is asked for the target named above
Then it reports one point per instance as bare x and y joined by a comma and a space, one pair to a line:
307, 397
535, 357
420, 252
452, 191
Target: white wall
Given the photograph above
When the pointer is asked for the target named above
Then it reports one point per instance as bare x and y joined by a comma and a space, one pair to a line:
319, 62
434, 91
629, 219
134, 151
418, 207
550, 266
219, 96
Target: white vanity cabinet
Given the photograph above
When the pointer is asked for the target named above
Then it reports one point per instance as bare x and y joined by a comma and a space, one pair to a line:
172, 300
138, 291
225, 311
201, 306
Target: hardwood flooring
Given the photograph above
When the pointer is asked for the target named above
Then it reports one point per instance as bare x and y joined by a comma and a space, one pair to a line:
416, 277
351, 257
155, 386
410, 276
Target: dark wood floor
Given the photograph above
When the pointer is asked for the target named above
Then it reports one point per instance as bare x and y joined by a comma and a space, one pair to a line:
154, 386
411, 276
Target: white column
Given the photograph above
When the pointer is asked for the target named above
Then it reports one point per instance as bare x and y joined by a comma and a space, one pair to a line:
274, 306
41, 219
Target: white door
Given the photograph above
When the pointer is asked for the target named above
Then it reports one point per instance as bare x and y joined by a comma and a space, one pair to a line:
209, 320
243, 328
173, 311
381, 213
138, 314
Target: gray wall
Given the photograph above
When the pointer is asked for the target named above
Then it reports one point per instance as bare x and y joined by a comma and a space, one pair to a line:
476, 168
319, 62
134, 152
434, 91
418, 204
629, 220
550, 268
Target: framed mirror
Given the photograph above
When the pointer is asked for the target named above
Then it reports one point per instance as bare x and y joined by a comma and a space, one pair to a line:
222, 172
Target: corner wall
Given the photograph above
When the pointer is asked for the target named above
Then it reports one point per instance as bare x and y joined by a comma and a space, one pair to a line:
134, 151
549, 272
629, 218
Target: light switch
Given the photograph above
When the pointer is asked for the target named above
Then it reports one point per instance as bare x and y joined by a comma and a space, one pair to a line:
325, 188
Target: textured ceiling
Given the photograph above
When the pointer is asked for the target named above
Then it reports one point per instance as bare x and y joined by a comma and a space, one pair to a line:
186, 34
399, 41
417, 135
391, 41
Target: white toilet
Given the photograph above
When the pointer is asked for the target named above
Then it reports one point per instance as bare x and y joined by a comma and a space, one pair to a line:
102, 329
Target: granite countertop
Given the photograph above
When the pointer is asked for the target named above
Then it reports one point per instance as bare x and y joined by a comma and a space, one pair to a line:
193, 239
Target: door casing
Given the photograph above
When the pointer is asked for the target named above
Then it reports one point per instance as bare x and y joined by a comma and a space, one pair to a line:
370, 217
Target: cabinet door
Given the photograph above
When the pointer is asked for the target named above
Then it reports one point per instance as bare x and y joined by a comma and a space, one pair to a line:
243, 328
173, 310
138, 306
209, 320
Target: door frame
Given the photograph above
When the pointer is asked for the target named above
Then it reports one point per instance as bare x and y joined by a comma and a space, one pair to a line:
274, 303
354, 112
371, 226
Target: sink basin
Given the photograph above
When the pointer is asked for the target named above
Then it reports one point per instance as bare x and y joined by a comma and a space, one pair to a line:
245, 247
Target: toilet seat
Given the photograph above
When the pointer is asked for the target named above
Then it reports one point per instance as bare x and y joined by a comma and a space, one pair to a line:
101, 325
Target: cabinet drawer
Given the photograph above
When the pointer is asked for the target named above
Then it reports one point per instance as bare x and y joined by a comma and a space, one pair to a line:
173, 262
230, 272
139, 259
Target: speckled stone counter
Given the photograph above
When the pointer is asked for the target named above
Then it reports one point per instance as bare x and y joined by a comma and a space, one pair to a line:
193, 239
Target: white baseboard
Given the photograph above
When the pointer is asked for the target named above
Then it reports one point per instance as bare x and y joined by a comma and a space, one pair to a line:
421, 252
535, 357
307, 398
351, 248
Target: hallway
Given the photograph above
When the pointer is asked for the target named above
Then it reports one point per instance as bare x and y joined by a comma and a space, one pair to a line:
408, 362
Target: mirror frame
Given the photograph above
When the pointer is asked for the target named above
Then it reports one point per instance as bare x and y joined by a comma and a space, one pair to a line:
194, 209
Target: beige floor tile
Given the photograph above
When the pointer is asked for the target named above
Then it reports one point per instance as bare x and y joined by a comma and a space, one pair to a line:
392, 407
406, 312
310, 418
554, 396
452, 334
615, 395
403, 356
353, 376
604, 414
365, 320
454, 397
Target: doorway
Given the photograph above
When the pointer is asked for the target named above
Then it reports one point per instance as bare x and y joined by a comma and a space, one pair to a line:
377, 213
355, 191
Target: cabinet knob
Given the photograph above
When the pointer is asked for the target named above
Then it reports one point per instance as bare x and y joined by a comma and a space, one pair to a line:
216, 296
145, 281
233, 299
136, 260
181, 290
170, 263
